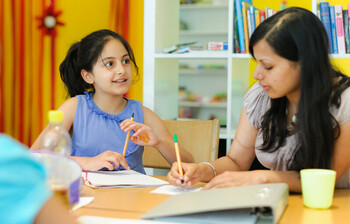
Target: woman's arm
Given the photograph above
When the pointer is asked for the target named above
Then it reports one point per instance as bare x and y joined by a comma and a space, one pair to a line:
166, 144
341, 153
69, 107
239, 158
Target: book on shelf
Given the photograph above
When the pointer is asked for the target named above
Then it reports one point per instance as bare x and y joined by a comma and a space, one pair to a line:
338, 10
245, 26
336, 22
346, 30
257, 17
251, 17
239, 20
213, 46
325, 18
333, 29
175, 47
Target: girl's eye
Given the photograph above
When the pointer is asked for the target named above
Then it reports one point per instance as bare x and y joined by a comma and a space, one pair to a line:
268, 68
126, 61
109, 64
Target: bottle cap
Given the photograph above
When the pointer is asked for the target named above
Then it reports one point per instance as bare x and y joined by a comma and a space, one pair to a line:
55, 116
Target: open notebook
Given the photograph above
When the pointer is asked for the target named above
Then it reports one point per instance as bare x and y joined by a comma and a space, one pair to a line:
262, 203
120, 178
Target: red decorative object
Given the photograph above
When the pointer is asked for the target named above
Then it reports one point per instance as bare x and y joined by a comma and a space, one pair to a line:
49, 20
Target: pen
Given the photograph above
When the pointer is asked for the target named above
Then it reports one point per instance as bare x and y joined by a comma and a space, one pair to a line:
178, 155
127, 137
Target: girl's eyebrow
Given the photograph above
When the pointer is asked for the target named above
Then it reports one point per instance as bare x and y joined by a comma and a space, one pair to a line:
107, 58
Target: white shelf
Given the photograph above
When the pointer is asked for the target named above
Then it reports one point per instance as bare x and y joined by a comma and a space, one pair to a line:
199, 104
203, 54
196, 54
340, 55
194, 71
201, 6
202, 32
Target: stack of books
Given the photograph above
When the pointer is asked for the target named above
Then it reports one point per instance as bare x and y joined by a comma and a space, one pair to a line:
247, 18
336, 21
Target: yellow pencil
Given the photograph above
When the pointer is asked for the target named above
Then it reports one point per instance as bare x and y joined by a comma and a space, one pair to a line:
127, 137
178, 155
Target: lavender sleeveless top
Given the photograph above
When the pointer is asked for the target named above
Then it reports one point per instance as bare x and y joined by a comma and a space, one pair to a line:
95, 131
257, 102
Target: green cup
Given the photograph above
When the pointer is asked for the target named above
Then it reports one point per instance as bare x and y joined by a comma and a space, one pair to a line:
317, 187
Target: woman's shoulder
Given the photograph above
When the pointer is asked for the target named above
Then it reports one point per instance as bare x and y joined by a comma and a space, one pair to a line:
343, 114
256, 103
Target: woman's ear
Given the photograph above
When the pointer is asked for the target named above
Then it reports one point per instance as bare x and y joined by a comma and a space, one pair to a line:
87, 76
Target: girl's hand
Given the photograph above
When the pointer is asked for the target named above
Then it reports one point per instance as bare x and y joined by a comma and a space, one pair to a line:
108, 159
191, 173
143, 134
236, 178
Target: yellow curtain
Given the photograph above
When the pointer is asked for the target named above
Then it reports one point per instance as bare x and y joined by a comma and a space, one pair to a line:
20, 72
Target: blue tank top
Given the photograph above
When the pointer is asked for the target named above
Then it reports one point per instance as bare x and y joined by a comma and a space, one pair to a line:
95, 131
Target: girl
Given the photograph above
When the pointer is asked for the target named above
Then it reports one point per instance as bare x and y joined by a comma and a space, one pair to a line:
296, 116
97, 72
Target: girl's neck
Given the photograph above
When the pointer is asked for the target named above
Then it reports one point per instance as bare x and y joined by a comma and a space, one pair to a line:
110, 104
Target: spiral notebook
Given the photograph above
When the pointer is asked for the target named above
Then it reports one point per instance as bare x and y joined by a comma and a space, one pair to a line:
120, 178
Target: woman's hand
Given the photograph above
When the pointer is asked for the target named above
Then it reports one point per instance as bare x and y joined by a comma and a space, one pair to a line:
143, 134
236, 178
108, 159
192, 174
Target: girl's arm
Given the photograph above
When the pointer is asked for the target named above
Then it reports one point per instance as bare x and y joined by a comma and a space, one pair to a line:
166, 143
69, 107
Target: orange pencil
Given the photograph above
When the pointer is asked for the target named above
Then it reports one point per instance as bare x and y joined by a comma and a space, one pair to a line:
127, 137
178, 155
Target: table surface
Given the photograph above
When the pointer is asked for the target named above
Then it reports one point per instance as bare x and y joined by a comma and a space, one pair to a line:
132, 203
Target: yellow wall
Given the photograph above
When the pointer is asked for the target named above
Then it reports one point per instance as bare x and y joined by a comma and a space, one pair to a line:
84, 17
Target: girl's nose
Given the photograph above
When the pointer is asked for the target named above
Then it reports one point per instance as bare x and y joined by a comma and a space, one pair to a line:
120, 70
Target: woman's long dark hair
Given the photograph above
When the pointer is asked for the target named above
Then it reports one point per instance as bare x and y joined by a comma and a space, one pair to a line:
83, 55
299, 36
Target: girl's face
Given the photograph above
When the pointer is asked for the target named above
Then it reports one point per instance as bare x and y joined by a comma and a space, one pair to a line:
278, 76
112, 73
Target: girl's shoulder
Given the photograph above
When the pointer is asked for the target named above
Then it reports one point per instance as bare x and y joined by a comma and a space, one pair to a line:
256, 103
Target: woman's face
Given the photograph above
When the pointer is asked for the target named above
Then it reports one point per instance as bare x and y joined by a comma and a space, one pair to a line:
112, 73
278, 76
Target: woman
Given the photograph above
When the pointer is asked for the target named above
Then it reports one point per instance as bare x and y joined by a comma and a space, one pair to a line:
296, 116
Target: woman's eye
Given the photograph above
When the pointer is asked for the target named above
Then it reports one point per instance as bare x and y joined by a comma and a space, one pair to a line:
268, 68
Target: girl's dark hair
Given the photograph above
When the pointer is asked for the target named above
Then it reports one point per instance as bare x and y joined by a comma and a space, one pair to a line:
83, 55
299, 36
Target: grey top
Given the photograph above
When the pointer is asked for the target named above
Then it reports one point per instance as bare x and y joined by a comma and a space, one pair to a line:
257, 102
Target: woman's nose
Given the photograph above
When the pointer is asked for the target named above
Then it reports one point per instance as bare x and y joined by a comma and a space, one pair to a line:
257, 75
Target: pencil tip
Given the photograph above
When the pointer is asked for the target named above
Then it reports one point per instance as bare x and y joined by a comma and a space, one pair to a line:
132, 115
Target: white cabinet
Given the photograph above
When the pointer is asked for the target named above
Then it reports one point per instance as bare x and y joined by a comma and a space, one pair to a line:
164, 74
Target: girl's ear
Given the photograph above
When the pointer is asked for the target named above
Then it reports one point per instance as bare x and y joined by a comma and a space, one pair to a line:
87, 76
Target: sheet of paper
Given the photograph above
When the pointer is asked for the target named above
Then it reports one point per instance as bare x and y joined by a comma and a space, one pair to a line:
172, 190
103, 220
82, 202
121, 178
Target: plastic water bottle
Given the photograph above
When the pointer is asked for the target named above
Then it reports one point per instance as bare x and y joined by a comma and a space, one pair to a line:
64, 174
56, 138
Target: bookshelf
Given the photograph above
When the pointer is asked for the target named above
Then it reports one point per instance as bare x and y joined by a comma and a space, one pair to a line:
163, 75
